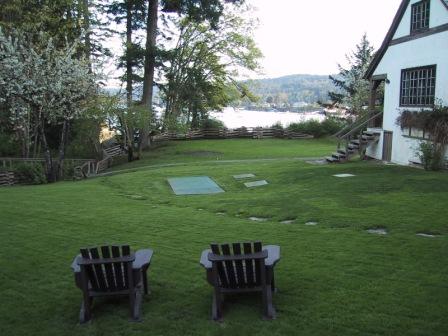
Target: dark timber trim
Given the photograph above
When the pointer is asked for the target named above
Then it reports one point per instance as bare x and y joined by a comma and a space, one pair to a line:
428, 32
390, 35
381, 77
445, 3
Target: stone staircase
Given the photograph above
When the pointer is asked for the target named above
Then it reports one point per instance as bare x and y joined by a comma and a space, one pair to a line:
354, 138
354, 147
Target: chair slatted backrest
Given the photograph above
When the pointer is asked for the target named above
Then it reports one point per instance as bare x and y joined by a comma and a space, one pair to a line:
239, 265
107, 268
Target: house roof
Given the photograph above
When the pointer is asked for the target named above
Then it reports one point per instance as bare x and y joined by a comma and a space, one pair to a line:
389, 36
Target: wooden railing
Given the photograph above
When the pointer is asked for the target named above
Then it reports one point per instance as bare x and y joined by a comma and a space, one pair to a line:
253, 133
86, 169
113, 151
348, 132
10, 162
7, 178
357, 126
103, 165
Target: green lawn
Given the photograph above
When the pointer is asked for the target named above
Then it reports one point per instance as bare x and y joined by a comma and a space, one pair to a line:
233, 149
333, 279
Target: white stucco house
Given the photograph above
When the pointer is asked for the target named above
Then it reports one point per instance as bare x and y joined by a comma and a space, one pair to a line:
413, 63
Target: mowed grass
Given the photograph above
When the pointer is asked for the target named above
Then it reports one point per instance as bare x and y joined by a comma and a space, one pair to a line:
232, 149
333, 279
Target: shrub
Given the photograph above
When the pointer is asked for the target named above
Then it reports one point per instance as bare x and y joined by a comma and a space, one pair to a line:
211, 123
277, 126
318, 129
30, 173
311, 127
435, 122
431, 156
426, 154
68, 170
332, 125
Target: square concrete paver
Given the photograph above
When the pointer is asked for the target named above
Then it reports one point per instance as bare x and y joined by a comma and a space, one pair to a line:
195, 185
256, 184
243, 176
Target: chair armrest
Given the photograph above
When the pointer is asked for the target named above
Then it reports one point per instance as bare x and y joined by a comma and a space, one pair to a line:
142, 258
74, 266
204, 259
273, 255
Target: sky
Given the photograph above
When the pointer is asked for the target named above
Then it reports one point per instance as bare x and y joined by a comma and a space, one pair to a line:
306, 36
313, 36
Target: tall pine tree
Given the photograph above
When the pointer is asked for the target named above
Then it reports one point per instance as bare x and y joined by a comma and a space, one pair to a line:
353, 90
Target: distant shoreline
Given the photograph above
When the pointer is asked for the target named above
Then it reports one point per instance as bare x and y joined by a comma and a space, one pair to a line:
234, 118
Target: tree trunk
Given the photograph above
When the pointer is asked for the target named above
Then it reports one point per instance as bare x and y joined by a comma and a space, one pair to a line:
86, 27
62, 145
128, 52
36, 149
47, 154
128, 139
148, 78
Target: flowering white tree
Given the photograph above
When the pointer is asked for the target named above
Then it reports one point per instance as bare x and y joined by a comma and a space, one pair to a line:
44, 85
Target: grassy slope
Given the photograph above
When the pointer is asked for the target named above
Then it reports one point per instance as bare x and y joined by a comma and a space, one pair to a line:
333, 279
233, 149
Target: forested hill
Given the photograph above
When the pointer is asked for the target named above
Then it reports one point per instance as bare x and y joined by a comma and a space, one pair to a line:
292, 89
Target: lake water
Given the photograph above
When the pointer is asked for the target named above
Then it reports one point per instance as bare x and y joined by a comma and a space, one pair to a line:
234, 118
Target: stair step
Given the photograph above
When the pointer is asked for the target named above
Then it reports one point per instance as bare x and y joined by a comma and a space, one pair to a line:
372, 133
332, 159
338, 156
349, 152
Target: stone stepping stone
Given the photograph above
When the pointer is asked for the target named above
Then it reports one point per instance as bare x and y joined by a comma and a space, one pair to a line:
243, 176
288, 221
220, 213
256, 184
311, 223
258, 219
426, 235
377, 231
344, 175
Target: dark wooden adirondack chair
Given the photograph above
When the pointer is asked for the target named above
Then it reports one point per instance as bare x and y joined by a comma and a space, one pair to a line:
248, 268
111, 271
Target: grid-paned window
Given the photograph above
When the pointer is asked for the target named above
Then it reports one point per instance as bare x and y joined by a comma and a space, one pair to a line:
420, 16
418, 86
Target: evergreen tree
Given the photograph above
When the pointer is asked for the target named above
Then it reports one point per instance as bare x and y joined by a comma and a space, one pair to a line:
354, 90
